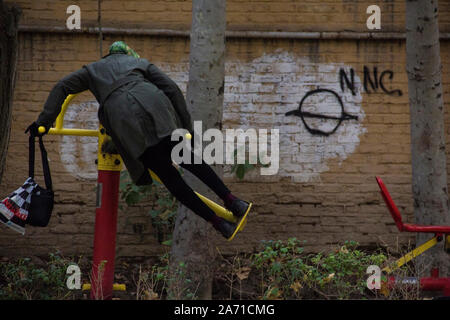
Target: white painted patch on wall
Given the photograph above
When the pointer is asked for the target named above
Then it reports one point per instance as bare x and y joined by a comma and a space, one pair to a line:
259, 93
78, 154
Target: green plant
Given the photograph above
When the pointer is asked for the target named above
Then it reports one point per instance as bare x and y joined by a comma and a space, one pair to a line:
159, 282
344, 270
131, 193
400, 290
288, 273
22, 279
240, 169
152, 283
163, 206
233, 272
97, 278
180, 286
282, 266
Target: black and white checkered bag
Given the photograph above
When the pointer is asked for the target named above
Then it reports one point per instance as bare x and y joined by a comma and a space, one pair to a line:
30, 204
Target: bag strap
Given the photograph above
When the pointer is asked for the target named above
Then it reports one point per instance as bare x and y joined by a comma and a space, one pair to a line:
31, 156
45, 165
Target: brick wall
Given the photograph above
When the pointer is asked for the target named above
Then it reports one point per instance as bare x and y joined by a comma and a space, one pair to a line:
287, 15
324, 192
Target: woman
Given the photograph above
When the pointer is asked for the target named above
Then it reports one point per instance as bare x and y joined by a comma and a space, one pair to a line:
140, 106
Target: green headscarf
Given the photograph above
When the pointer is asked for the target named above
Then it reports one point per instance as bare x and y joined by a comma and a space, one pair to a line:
122, 47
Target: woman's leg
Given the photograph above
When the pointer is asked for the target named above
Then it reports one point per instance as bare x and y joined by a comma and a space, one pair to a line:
207, 175
204, 173
162, 166
160, 162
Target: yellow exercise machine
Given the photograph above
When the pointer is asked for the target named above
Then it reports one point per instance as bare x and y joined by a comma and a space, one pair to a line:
109, 167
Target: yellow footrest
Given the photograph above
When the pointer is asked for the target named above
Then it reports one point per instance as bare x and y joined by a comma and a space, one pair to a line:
241, 223
116, 287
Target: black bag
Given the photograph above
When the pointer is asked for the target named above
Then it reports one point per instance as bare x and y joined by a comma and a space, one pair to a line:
30, 204
41, 205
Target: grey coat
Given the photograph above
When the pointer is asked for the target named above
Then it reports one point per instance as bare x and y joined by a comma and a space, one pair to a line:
136, 115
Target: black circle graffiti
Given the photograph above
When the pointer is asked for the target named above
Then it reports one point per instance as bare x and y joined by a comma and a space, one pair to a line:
304, 114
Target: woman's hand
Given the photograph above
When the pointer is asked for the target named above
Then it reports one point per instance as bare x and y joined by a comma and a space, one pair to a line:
33, 129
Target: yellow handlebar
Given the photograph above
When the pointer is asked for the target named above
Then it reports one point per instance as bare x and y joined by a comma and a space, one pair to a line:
59, 130
76, 132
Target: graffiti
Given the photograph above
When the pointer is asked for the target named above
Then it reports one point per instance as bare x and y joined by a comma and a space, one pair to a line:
260, 92
350, 83
391, 75
370, 84
305, 114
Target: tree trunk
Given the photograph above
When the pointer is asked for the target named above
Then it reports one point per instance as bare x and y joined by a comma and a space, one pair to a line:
192, 235
429, 170
9, 19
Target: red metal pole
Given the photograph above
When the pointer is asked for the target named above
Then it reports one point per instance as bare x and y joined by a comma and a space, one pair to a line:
447, 289
102, 275
435, 284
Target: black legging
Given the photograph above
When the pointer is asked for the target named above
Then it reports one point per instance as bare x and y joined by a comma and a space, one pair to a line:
158, 159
